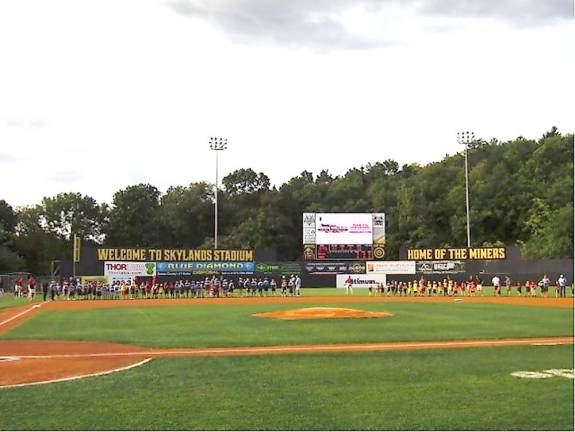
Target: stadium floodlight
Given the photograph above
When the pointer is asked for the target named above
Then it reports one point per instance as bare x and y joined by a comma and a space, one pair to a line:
217, 144
466, 138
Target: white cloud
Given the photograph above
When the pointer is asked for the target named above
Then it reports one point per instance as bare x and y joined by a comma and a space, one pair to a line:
128, 91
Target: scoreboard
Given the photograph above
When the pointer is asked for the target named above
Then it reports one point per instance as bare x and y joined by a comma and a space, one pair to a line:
343, 236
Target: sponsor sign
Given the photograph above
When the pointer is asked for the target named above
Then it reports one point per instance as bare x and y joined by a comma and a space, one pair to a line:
309, 252
309, 228
359, 280
485, 253
378, 223
278, 268
133, 254
308, 235
390, 267
205, 267
356, 267
86, 279
439, 267
127, 270
378, 252
344, 228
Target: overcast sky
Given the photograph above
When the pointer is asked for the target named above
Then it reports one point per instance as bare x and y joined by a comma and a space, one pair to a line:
96, 95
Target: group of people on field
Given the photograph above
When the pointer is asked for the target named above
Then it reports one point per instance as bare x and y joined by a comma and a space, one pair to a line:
471, 287
530, 286
210, 286
28, 290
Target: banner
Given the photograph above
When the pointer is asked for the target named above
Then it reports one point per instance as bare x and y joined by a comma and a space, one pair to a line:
378, 223
355, 267
190, 268
344, 228
86, 279
390, 267
439, 267
484, 253
118, 270
309, 228
127, 254
279, 268
309, 252
359, 281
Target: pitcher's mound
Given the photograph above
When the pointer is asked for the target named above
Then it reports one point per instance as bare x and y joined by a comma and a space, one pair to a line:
321, 312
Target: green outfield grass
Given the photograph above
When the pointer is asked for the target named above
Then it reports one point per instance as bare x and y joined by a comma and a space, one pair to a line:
8, 300
216, 324
464, 389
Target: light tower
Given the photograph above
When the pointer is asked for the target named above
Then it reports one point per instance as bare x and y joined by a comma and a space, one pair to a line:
217, 144
466, 138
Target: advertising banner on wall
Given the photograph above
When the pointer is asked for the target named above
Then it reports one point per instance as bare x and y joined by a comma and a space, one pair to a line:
309, 228
482, 253
206, 267
378, 223
439, 267
279, 268
390, 267
355, 267
309, 252
344, 228
359, 281
127, 270
136, 254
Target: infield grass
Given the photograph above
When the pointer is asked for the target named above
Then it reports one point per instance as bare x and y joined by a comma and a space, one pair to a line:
463, 389
219, 325
8, 301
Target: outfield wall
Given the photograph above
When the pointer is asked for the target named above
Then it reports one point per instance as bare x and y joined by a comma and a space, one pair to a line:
323, 273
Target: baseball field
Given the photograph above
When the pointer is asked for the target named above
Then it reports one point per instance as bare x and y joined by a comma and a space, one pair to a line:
316, 364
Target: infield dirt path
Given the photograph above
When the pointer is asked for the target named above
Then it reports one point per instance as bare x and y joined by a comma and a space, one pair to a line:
28, 362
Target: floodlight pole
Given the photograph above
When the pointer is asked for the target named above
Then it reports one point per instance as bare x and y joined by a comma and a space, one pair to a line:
217, 144
466, 138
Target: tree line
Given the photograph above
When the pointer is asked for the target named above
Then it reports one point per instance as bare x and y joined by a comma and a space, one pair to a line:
521, 192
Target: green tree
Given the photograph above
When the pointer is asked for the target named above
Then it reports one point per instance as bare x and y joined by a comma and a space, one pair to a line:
186, 215
68, 213
134, 218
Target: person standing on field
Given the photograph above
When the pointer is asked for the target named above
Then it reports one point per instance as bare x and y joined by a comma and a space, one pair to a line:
349, 285
45, 286
508, 285
562, 281
479, 285
31, 287
297, 284
544, 284
496, 282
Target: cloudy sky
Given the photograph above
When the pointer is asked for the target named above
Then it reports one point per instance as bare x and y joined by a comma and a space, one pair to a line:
96, 95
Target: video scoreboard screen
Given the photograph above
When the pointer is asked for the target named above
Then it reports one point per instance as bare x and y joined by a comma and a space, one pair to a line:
343, 236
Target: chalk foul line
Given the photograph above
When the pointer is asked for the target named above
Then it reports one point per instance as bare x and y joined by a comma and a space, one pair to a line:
287, 349
36, 306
